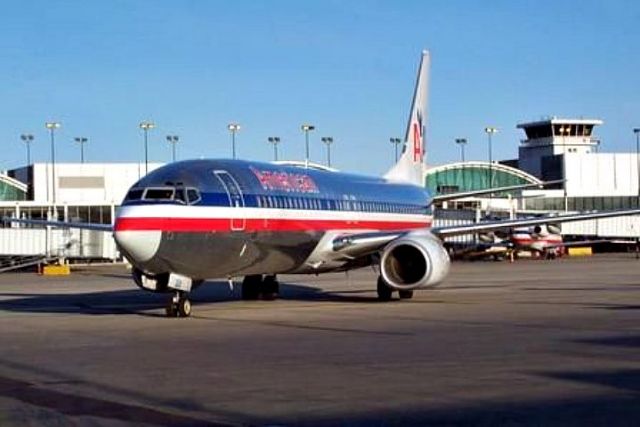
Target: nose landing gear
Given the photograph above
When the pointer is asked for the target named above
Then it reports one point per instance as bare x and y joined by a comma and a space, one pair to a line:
179, 305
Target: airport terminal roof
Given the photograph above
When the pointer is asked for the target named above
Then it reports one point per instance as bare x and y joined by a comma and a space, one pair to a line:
12, 189
559, 120
474, 175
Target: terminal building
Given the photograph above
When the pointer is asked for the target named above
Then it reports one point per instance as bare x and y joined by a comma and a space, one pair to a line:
553, 149
83, 192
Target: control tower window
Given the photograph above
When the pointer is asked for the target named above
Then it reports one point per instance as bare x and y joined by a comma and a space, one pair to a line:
541, 131
587, 130
557, 131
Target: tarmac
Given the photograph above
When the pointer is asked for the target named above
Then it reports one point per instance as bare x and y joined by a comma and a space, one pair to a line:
528, 343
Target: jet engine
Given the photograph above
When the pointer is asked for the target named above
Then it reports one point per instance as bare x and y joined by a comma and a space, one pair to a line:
487, 237
414, 261
553, 228
543, 231
494, 236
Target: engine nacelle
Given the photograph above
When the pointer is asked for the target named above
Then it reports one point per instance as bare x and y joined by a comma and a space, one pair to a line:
554, 228
539, 231
487, 237
414, 261
494, 236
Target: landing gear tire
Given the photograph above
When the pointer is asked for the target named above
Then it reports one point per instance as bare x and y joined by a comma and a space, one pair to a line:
251, 287
184, 307
405, 294
178, 306
171, 309
270, 288
384, 291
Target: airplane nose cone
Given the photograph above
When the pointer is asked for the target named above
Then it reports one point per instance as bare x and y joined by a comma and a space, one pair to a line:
138, 245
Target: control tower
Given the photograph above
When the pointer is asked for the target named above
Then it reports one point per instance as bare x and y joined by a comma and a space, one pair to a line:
541, 154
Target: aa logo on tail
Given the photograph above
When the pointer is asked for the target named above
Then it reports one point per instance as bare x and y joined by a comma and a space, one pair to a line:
417, 138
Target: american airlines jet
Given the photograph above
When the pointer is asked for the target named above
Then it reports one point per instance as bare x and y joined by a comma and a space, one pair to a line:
201, 219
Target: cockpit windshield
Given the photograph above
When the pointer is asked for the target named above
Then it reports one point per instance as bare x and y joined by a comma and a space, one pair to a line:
159, 194
179, 194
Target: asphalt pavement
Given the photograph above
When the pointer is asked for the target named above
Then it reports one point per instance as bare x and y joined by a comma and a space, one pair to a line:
529, 343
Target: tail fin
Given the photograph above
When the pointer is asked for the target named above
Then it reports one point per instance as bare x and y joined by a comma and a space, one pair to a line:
410, 166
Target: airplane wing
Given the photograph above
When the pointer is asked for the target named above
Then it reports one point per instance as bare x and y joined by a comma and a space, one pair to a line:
61, 224
361, 244
356, 245
457, 230
461, 195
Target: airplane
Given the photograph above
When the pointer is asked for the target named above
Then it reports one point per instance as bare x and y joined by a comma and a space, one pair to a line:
547, 241
544, 240
194, 220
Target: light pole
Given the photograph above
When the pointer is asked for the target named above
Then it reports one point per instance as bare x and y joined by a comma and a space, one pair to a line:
395, 142
563, 131
328, 141
81, 140
173, 140
461, 142
146, 126
490, 131
275, 140
233, 128
27, 138
637, 132
306, 128
52, 126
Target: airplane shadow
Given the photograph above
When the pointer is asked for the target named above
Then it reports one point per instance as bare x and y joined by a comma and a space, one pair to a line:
136, 301
75, 405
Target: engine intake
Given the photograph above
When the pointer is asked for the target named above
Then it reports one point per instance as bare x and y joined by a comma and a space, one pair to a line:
414, 261
554, 228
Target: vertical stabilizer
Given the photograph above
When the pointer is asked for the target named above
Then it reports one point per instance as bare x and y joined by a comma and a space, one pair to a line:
410, 166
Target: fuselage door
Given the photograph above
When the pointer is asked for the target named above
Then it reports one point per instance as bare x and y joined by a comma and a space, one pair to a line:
236, 200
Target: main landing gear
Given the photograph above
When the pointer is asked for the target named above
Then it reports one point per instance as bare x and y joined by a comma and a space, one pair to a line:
256, 286
179, 305
385, 292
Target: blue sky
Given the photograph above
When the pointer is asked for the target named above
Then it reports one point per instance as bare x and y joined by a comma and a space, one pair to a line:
348, 67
